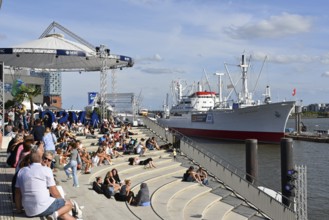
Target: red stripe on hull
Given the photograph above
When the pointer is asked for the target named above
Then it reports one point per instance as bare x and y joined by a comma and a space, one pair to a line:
268, 137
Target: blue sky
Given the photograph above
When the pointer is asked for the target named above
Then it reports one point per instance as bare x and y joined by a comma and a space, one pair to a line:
179, 39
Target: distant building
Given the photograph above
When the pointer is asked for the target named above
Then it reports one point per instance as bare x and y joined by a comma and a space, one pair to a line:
10, 78
52, 87
313, 107
49, 82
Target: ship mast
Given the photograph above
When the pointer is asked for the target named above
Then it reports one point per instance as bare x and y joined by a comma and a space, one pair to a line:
220, 86
244, 68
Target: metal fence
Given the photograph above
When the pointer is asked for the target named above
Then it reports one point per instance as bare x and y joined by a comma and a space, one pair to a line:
226, 173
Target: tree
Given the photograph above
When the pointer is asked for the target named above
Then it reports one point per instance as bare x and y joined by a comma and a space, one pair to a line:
28, 92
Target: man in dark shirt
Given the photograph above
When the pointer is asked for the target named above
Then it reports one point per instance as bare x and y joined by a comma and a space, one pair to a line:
38, 130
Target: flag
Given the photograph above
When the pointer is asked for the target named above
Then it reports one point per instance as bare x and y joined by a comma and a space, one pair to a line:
16, 87
294, 92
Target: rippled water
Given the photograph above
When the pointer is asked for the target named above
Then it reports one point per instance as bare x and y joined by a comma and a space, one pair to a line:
314, 155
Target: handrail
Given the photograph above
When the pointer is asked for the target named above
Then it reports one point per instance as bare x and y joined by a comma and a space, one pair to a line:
227, 173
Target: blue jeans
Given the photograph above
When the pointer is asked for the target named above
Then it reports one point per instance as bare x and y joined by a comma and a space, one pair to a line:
57, 204
73, 165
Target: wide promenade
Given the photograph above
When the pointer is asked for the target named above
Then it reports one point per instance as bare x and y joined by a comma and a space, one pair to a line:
170, 197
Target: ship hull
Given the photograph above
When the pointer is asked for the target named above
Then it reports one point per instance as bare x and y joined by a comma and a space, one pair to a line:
266, 123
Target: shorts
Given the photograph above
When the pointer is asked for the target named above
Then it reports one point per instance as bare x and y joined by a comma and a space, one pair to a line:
57, 204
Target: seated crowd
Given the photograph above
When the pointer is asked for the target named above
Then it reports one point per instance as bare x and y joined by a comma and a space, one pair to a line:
121, 190
42, 151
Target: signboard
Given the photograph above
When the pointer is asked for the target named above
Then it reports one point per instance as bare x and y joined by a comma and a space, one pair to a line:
91, 97
198, 117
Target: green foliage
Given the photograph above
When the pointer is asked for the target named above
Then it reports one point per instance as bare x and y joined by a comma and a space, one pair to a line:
9, 104
27, 91
310, 114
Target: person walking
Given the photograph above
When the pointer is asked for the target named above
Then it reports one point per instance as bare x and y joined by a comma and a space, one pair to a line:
73, 164
174, 153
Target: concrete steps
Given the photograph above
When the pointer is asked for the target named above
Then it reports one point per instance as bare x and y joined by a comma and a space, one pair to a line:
217, 210
171, 175
121, 164
177, 204
196, 207
161, 197
170, 197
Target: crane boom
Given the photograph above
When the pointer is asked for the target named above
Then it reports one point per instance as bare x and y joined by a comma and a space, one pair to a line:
68, 32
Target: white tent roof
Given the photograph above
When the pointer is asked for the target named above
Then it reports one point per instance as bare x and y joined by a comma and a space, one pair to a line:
27, 104
55, 53
56, 41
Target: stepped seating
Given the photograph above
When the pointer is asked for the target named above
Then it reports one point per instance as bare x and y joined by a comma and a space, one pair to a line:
217, 210
196, 207
170, 197
153, 180
125, 170
169, 201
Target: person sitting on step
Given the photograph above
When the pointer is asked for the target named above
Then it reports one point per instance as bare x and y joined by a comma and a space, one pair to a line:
125, 193
191, 176
36, 191
110, 183
97, 185
142, 198
203, 175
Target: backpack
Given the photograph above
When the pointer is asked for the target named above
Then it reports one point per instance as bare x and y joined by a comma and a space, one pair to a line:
12, 157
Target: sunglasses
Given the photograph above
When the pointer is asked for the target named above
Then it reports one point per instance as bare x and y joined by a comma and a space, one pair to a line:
47, 159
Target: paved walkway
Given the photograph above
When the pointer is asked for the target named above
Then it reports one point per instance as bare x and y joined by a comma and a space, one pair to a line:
6, 174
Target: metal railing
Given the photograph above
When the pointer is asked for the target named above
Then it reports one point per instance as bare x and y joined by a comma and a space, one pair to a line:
226, 173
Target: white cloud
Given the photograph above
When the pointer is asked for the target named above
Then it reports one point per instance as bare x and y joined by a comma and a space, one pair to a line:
168, 38
155, 70
325, 59
290, 58
154, 58
325, 74
276, 26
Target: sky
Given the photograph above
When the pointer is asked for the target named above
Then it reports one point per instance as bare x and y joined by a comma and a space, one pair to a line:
184, 39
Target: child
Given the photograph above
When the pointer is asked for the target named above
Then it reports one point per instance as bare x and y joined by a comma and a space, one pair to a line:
174, 153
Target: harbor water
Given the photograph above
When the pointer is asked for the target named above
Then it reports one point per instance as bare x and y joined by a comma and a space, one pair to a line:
314, 155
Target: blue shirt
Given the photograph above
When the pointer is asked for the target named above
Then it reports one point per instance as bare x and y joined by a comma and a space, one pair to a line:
48, 140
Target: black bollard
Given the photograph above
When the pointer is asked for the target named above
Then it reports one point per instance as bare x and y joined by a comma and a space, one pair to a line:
286, 167
251, 160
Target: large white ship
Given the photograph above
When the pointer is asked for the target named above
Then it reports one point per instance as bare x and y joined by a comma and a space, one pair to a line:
206, 114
